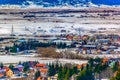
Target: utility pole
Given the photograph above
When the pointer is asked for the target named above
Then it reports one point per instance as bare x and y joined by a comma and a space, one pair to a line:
12, 31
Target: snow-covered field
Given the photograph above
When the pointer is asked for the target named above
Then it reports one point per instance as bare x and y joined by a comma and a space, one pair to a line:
41, 26
48, 27
15, 59
45, 23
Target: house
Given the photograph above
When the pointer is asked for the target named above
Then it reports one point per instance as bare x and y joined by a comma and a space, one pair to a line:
2, 70
84, 52
99, 51
31, 70
112, 64
69, 37
9, 73
105, 60
49, 78
1, 74
55, 77
115, 73
20, 67
84, 37
105, 41
84, 64
89, 51
63, 31
44, 71
79, 66
90, 46
40, 65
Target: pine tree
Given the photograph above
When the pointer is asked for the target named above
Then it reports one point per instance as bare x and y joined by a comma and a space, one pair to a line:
14, 49
64, 70
56, 67
51, 71
11, 66
115, 67
67, 75
75, 70
60, 74
26, 67
85, 74
82, 75
1, 65
91, 62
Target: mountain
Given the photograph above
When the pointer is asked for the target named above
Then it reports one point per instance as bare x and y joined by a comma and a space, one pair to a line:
52, 3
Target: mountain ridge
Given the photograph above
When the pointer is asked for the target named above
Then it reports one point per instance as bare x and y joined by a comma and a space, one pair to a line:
54, 3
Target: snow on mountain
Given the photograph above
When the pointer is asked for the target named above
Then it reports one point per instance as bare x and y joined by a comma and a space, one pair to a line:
59, 3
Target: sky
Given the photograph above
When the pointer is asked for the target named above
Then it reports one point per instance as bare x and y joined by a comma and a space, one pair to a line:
106, 2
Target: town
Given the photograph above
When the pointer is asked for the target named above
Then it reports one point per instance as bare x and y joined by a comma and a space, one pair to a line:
59, 44
98, 68
100, 46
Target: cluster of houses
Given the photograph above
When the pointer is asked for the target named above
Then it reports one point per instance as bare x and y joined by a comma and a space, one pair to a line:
103, 44
86, 41
17, 71
6, 72
85, 44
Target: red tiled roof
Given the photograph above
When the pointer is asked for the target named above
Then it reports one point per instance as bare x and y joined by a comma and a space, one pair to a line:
105, 60
6, 68
43, 70
1, 75
40, 65
84, 64
79, 66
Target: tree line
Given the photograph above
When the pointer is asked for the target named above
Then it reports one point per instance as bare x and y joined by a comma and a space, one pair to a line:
32, 45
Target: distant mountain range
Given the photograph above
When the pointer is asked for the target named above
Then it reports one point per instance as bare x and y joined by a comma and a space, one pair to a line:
53, 3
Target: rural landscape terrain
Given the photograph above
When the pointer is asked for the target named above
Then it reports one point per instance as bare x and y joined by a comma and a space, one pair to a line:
60, 43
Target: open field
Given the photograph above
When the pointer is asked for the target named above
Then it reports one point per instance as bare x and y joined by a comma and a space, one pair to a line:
88, 18
7, 59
